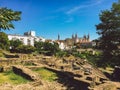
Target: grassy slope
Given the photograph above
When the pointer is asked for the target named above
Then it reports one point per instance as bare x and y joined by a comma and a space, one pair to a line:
46, 74
12, 78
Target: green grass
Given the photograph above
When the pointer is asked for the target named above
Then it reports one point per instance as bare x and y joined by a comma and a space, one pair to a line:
11, 77
46, 74
93, 59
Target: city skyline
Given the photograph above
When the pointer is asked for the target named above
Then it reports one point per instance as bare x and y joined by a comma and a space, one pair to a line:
52, 17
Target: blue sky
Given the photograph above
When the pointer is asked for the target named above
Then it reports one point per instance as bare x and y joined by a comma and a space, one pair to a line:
52, 17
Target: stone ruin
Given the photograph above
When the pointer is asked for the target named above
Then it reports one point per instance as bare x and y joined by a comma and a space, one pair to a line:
78, 66
26, 73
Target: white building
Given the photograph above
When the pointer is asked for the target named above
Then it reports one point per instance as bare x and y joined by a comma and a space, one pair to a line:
28, 38
62, 46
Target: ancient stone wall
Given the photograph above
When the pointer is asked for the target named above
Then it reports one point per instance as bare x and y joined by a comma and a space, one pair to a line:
25, 72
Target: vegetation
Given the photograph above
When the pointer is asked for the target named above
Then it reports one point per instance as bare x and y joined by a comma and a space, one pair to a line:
29, 64
93, 58
51, 48
109, 31
4, 42
12, 78
46, 74
47, 48
61, 53
14, 44
7, 16
25, 49
39, 46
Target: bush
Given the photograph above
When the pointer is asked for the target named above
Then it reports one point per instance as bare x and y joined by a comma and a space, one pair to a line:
4, 42
61, 53
25, 49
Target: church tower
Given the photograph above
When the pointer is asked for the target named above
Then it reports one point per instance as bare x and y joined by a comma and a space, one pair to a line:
58, 37
84, 37
72, 36
76, 36
88, 37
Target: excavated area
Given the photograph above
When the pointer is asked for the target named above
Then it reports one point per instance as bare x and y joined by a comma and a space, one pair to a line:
72, 74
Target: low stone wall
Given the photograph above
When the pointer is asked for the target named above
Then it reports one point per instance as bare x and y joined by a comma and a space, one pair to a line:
25, 72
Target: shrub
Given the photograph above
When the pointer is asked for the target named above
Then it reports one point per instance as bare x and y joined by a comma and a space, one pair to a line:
25, 49
61, 53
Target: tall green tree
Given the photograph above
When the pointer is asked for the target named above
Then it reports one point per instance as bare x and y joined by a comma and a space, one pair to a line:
7, 16
109, 31
4, 42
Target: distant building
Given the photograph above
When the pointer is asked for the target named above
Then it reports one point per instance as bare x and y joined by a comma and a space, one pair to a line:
28, 38
30, 33
84, 39
61, 44
69, 43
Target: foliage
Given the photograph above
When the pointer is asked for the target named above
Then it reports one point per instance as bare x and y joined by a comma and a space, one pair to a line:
109, 31
25, 49
14, 44
96, 41
4, 42
47, 48
1, 53
88, 55
46, 74
52, 48
29, 64
61, 53
7, 16
39, 46
82, 56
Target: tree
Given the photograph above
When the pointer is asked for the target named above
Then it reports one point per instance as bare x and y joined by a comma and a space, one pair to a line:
7, 16
109, 31
4, 42
96, 41
14, 44
25, 49
39, 46
51, 48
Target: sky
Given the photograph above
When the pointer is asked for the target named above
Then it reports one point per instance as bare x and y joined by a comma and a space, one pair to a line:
48, 18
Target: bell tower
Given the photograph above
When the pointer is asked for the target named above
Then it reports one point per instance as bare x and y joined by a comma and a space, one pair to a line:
88, 37
58, 37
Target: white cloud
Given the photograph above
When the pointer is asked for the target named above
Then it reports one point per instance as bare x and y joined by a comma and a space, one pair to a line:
76, 8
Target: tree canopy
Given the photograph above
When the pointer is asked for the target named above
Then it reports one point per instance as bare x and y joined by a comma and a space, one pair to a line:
109, 31
7, 16
47, 48
15, 43
4, 42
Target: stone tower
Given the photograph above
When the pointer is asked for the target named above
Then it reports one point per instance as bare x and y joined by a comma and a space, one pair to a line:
76, 36
72, 36
88, 37
58, 37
